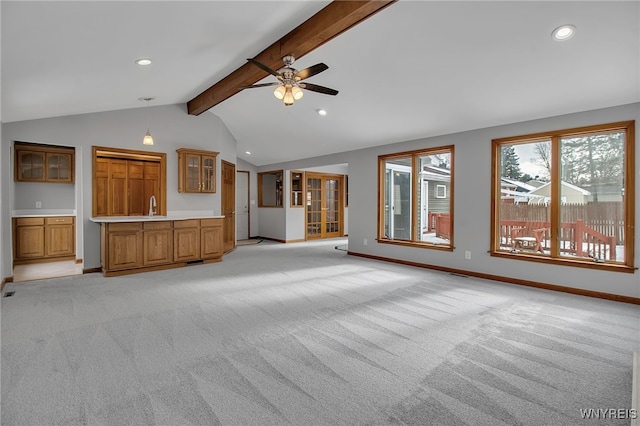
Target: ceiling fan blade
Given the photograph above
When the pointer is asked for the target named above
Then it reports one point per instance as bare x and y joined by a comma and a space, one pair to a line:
275, 83
311, 71
264, 67
319, 89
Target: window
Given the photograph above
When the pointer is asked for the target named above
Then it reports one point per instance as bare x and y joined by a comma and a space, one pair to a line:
297, 187
270, 189
566, 197
416, 198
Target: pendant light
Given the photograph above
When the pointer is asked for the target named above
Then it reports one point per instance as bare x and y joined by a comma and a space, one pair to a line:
148, 139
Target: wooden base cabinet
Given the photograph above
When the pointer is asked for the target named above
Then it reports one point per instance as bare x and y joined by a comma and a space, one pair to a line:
132, 247
158, 243
43, 239
211, 238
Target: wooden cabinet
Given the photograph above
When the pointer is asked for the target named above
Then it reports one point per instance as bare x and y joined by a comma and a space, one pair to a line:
29, 238
124, 187
43, 163
186, 237
43, 239
157, 243
211, 238
124, 246
196, 170
59, 236
131, 247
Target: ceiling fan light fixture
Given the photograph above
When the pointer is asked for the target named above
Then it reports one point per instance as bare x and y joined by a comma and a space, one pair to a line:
297, 93
279, 92
288, 95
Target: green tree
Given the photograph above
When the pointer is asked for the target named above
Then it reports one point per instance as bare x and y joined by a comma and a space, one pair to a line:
510, 163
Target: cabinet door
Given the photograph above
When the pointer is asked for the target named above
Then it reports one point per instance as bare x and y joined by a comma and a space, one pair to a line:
208, 174
125, 249
60, 240
29, 242
118, 196
157, 247
101, 191
186, 244
152, 184
30, 166
59, 167
192, 173
138, 206
211, 241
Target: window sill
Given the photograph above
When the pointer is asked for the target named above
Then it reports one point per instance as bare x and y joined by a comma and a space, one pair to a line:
590, 264
432, 246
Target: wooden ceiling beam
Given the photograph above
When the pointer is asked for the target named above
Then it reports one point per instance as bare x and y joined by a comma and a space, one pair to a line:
334, 19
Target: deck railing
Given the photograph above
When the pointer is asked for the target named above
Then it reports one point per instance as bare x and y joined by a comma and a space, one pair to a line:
575, 238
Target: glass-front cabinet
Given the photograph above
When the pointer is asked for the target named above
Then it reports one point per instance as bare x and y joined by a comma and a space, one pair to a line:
43, 163
196, 170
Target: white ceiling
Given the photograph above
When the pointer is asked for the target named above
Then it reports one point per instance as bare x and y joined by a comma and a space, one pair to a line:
415, 69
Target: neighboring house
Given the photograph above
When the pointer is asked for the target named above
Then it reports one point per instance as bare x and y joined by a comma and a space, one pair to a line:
515, 192
436, 183
571, 194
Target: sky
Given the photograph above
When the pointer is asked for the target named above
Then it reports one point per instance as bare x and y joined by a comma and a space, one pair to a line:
528, 159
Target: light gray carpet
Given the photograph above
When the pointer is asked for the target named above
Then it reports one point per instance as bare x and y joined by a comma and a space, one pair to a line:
304, 334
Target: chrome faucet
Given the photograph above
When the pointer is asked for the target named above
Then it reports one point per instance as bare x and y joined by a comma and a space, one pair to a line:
152, 204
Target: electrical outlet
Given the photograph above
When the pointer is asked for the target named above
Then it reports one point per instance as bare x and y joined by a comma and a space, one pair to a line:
467, 255
364, 241
38, 204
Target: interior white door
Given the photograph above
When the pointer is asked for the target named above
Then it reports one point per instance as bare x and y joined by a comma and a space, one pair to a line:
242, 205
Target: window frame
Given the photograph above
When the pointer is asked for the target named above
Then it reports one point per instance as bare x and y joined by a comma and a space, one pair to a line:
279, 193
555, 137
415, 154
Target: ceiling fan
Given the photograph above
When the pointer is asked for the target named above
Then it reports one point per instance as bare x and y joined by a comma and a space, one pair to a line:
289, 82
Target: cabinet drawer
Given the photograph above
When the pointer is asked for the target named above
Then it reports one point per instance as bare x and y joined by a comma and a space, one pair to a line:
125, 226
210, 222
157, 225
29, 221
59, 220
189, 223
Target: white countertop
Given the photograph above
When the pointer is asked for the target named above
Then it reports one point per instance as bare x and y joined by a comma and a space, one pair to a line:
179, 216
43, 212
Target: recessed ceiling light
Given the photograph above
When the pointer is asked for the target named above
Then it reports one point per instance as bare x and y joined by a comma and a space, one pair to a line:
564, 32
322, 112
247, 152
143, 61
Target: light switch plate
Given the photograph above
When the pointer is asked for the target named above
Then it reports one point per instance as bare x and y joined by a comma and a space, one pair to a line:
38, 204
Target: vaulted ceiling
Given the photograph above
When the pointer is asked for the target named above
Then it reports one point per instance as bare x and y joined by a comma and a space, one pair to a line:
415, 69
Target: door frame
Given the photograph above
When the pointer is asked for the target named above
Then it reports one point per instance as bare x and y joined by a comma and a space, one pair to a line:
229, 209
322, 177
248, 202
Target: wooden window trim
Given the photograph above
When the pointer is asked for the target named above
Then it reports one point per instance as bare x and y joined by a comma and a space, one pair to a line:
260, 201
414, 154
554, 137
130, 154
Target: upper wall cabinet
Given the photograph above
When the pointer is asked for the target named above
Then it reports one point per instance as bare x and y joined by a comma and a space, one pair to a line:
196, 170
43, 163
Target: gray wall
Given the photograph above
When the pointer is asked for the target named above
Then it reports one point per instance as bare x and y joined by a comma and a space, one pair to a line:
52, 196
472, 204
171, 128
